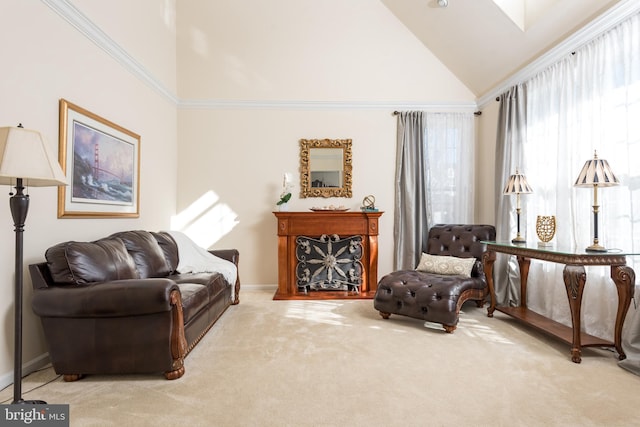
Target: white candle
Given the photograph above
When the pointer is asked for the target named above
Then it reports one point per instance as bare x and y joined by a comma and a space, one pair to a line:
287, 180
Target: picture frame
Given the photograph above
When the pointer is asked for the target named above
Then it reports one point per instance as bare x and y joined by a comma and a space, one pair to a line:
102, 163
326, 168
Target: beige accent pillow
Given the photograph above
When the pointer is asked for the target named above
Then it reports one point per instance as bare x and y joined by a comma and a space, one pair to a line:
450, 265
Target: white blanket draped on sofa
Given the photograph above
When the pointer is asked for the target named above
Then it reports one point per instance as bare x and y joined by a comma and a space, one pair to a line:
195, 259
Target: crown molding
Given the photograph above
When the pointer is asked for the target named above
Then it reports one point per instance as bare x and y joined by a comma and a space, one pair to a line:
85, 26
212, 104
91, 31
593, 29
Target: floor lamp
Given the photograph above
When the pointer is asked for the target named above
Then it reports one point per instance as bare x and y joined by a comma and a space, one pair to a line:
25, 160
517, 185
596, 173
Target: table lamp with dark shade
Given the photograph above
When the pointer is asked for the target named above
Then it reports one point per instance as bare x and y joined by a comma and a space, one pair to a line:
596, 173
25, 161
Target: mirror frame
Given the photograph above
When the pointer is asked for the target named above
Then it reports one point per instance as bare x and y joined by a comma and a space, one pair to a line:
305, 172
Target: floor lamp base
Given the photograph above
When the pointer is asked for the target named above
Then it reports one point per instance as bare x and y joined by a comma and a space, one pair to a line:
29, 402
19, 204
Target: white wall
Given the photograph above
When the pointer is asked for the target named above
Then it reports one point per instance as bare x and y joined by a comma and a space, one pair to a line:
256, 77
486, 163
45, 59
252, 78
145, 29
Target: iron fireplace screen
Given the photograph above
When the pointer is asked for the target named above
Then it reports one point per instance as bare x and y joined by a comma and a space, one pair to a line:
329, 263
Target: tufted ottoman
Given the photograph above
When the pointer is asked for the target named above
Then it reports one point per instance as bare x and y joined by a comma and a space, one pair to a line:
437, 297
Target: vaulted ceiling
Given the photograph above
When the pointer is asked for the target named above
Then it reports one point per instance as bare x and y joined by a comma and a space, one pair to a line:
484, 42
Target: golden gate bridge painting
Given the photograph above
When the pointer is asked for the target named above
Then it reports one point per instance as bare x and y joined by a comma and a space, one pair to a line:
103, 167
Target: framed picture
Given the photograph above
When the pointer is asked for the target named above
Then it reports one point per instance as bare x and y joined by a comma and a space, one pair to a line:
102, 163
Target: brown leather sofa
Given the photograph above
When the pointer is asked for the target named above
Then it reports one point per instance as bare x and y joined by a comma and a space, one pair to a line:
436, 297
118, 306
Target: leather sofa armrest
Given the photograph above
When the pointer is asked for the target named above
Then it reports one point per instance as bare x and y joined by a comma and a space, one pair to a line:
118, 298
40, 275
229, 254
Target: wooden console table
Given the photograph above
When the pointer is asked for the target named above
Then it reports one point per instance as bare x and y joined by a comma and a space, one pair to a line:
574, 279
292, 225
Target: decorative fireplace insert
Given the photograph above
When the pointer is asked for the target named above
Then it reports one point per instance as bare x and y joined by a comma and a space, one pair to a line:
329, 263
327, 255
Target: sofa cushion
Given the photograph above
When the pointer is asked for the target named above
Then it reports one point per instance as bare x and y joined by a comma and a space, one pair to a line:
449, 265
214, 282
169, 249
87, 262
146, 253
195, 297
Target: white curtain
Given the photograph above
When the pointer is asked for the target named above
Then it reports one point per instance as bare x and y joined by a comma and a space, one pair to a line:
449, 140
589, 101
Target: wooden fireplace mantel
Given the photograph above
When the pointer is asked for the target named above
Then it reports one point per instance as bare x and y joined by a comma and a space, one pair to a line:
315, 224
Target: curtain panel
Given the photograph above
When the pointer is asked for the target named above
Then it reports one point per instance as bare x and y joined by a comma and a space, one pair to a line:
435, 169
510, 136
410, 223
588, 102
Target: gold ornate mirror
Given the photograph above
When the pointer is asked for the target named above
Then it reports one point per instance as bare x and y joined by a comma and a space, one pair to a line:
325, 168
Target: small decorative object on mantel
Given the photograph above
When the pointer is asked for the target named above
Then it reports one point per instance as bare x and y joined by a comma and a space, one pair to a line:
369, 204
546, 229
285, 196
330, 208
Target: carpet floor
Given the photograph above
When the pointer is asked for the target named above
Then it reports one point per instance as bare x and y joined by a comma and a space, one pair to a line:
338, 363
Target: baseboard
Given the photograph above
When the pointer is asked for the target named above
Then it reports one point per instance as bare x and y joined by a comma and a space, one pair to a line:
258, 287
27, 368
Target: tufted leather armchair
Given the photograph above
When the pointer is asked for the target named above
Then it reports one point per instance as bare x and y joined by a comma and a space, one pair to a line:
435, 297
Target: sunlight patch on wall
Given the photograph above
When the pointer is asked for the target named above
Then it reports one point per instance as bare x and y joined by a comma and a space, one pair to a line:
169, 14
199, 42
525, 13
206, 220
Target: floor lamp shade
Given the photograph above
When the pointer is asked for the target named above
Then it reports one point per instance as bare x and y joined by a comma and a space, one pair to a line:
24, 154
25, 160
517, 184
596, 173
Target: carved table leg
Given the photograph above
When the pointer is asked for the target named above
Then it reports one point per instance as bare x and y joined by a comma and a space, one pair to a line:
574, 279
488, 258
624, 277
523, 265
